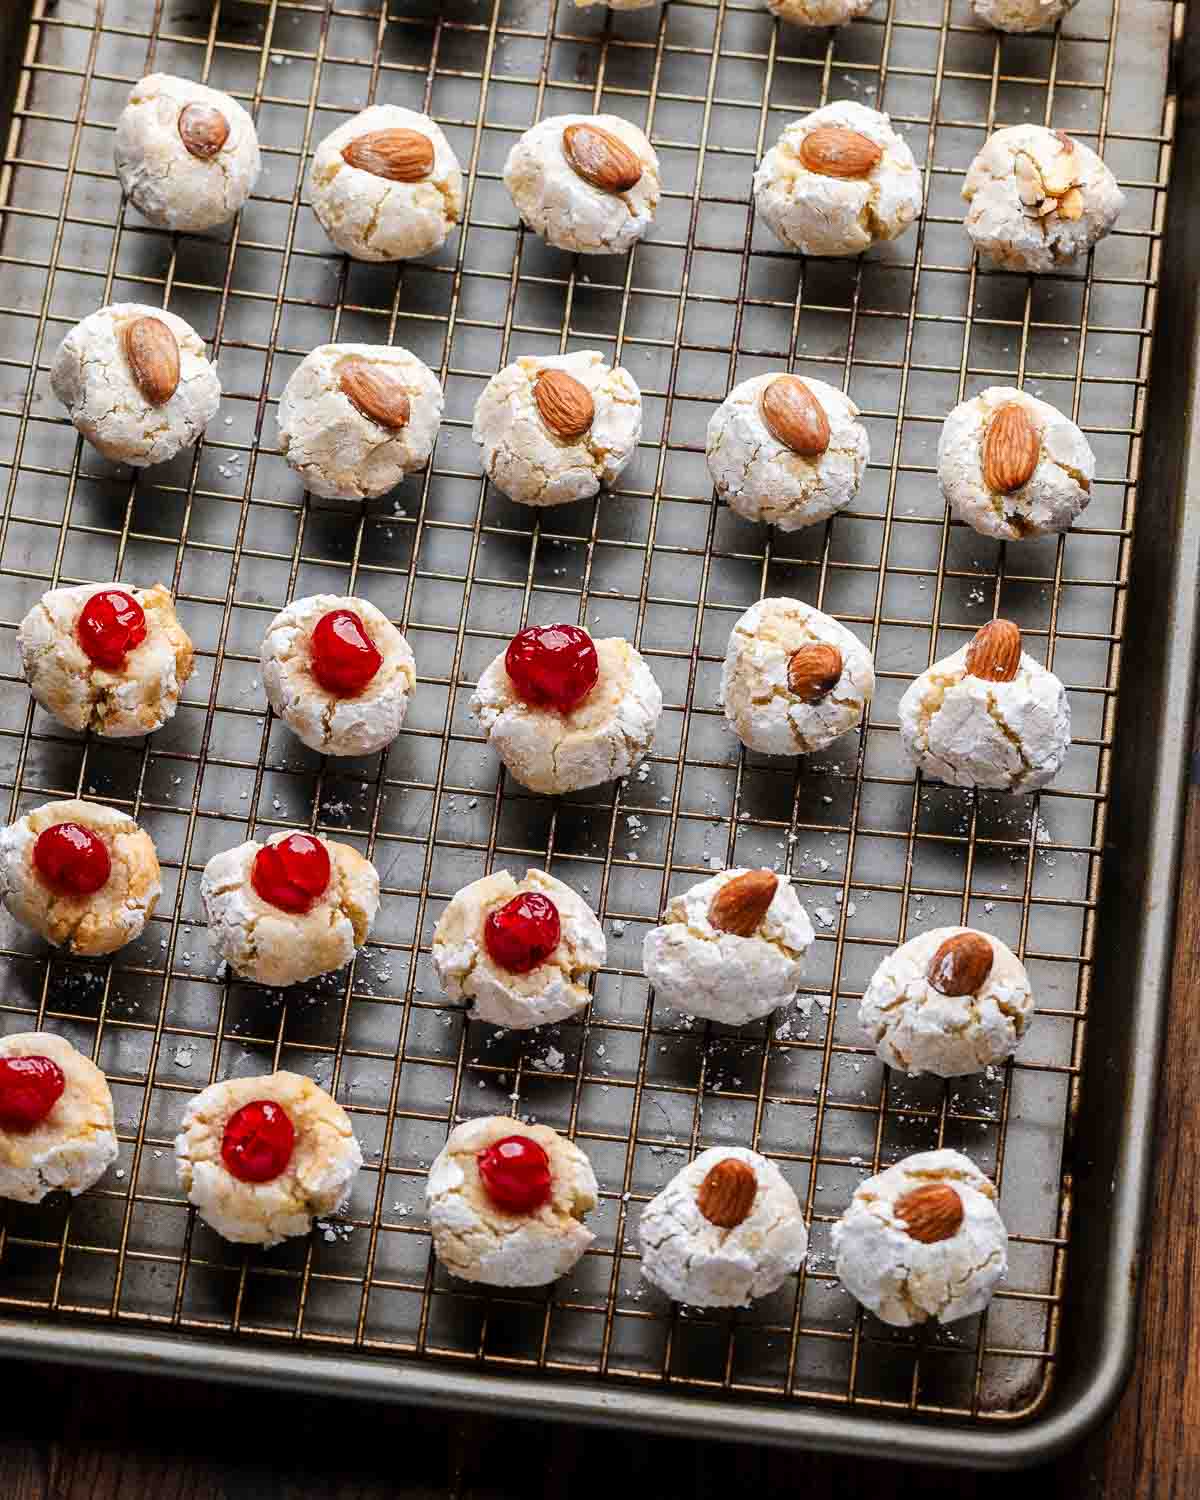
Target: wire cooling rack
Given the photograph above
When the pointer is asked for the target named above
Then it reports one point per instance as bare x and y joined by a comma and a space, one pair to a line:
707, 300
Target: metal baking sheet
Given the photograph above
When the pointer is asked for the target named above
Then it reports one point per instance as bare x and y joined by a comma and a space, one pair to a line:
125, 1273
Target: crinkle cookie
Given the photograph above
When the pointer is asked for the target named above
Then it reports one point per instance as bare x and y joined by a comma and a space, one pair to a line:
56, 1118
969, 726
724, 1230
386, 185
285, 911
729, 949
922, 1240
522, 952
1021, 15
260, 1158
1012, 466
818, 12
354, 419
587, 183
338, 673
555, 430
80, 874
838, 180
507, 1200
1038, 199
786, 450
136, 382
794, 679
616, 4
950, 1001
106, 657
186, 154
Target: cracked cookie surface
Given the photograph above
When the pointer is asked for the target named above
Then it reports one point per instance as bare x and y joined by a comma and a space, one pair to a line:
1021, 15
76, 1143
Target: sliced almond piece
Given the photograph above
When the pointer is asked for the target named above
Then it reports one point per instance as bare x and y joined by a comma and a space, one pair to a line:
931, 1212
1030, 188
1012, 446
1070, 205
813, 671
741, 903
961, 964
795, 417
995, 652
727, 1194
203, 130
564, 404
601, 158
152, 352
1062, 170
397, 154
837, 151
376, 390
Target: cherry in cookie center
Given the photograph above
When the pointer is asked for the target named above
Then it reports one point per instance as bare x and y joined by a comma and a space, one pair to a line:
258, 1141
30, 1087
293, 873
72, 860
515, 1173
522, 933
344, 657
552, 666
111, 624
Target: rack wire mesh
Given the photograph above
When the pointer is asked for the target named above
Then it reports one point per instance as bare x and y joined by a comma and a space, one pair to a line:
707, 300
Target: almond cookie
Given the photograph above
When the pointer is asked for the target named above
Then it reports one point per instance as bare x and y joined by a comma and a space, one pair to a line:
555, 430
724, 1230
838, 180
287, 910
729, 949
988, 716
82, 875
136, 382
187, 155
506, 1202
56, 1118
1021, 15
260, 1158
787, 450
106, 657
1038, 199
522, 952
794, 679
922, 1240
564, 711
950, 1001
386, 185
338, 673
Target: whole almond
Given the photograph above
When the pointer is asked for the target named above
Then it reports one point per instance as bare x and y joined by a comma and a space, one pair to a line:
1070, 205
1011, 448
837, 151
399, 155
601, 158
813, 671
564, 404
795, 417
741, 903
995, 652
152, 352
727, 1194
931, 1212
203, 130
376, 390
961, 964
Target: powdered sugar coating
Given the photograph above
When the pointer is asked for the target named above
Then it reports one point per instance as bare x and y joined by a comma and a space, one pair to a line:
818, 12
76, 1143
1021, 15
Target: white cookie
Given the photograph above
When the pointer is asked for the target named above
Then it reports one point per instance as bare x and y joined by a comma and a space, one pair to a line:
1038, 199
615, 4
565, 208
374, 217
325, 1157
92, 377
818, 12
135, 698
177, 187
819, 213
1021, 15
76, 1143
477, 1240
703, 1264
904, 1280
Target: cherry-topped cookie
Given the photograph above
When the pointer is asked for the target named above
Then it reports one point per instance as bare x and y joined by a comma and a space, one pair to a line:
56, 1118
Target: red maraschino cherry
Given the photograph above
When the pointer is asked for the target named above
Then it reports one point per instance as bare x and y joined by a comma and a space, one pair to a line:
344, 657
258, 1141
292, 874
522, 933
30, 1087
516, 1174
552, 666
111, 624
71, 859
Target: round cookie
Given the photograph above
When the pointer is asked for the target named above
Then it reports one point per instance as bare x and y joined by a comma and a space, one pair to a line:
273, 945
1021, 15
794, 679
136, 382
386, 185
818, 12
586, 183
730, 949
354, 419
478, 1239
838, 180
786, 450
1038, 199
134, 696
1012, 466
186, 154
314, 1180
724, 1230
333, 722
962, 724
909, 1258
949, 1001
74, 1143
555, 430
615, 4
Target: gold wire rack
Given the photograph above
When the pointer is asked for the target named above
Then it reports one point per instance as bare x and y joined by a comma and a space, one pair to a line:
707, 300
